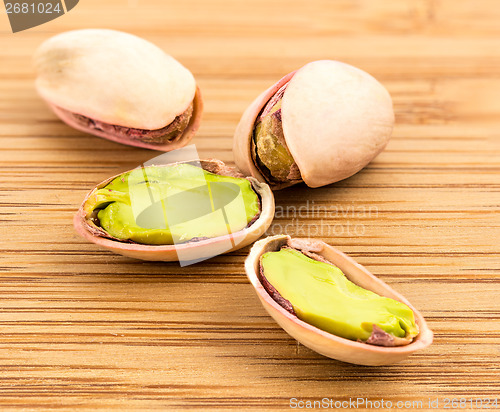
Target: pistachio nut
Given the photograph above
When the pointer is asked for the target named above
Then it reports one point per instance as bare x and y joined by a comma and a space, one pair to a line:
333, 305
152, 213
118, 86
319, 124
318, 292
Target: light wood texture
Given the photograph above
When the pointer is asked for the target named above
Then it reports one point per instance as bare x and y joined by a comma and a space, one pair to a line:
83, 328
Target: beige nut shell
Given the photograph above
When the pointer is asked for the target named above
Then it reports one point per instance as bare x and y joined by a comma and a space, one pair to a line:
316, 339
115, 78
191, 250
336, 119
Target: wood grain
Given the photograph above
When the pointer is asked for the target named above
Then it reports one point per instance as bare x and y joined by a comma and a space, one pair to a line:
81, 328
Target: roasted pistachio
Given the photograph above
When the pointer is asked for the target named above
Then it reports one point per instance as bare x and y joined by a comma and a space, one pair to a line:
153, 212
319, 124
364, 343
271, 151
319, 293
120, 87
179, 203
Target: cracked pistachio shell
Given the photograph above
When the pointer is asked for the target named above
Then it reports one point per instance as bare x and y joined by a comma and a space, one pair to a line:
191, 250
335, 118
316, 339
117, 79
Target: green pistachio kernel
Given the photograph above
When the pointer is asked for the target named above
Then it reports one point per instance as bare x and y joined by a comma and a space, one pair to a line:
163, 205
322, 296
272, 151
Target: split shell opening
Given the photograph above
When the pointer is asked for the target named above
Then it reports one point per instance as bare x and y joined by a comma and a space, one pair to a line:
252, 210
316, 339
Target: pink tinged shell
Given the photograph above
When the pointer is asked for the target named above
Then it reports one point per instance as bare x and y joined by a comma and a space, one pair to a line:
181, 141
336, 119
318, 340
191, 250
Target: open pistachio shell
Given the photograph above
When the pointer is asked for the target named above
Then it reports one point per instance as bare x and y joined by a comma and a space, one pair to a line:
316, 339
192, 250
335, 119
118, 86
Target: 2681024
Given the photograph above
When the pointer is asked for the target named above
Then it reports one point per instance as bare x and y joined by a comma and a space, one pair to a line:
463, 403
32, 8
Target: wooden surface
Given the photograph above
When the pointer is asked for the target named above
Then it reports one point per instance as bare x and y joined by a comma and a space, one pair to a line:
83, 328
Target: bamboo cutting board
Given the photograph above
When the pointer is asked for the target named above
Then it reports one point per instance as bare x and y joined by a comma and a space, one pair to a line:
82, 328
